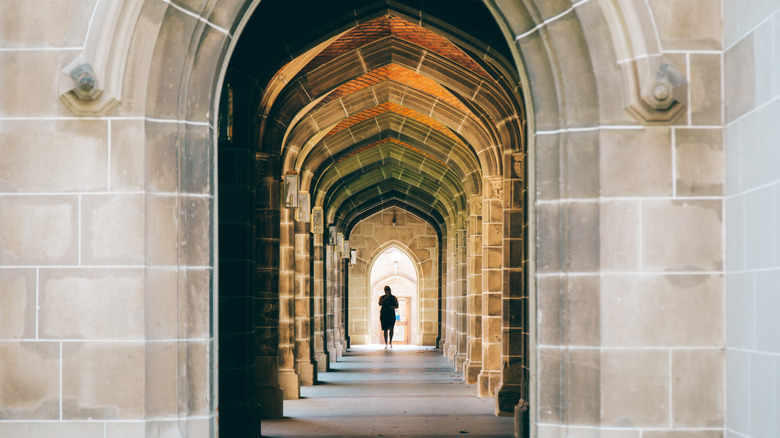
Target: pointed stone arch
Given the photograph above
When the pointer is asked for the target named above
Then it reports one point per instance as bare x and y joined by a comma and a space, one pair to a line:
570, 60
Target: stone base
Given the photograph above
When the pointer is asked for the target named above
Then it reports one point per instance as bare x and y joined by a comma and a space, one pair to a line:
290, 383
471, 370
507, 398
451, 351
333, 355
307, 372
522, 420
270, 402
323, 362
460, 360
487, 383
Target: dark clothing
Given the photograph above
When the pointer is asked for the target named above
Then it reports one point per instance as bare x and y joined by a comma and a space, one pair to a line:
387, 314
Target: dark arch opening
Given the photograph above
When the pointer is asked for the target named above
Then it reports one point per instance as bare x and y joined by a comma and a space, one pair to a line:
260, 107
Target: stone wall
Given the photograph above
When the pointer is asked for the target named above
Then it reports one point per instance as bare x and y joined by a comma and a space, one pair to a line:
752, 93
417, 239
107, 219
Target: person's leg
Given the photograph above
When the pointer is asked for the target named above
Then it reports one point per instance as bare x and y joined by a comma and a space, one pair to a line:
385, 334
391, 338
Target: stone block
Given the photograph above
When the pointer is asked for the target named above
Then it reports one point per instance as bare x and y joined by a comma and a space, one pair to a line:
705, 86
757, 151
92, 303
582, 387
195, 303
39, 230
582, 322
102, 380
18, 304
127, 155
767, 325
53, 156
161, 391
635, 388
112, 229
548, 238
738, 391
739, 78
125, 429
161, 230
581, 179
700, 162
30, 88
688, 25
619, 236
574, 71
582, 254
682, 434
30, 381
161, 156
202, 80
669, 245
197, 363
160, 303
91, 429
698, 393
740, 310
636, 162
763, 398
633, 309
64, 24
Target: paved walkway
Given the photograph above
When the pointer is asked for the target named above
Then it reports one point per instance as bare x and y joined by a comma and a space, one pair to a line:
403, 392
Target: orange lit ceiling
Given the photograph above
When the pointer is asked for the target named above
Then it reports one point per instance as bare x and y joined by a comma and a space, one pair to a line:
388, 112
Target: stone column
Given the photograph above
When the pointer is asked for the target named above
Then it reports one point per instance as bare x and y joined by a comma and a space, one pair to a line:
338, 316
492, 255
330, 305
318, 294
265, 348
514, 391
305, 364
288, 377
452, 324
460, 294
473, 364
344, 304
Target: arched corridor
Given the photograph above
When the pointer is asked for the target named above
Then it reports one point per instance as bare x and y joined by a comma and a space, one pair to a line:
193, 192
350, 131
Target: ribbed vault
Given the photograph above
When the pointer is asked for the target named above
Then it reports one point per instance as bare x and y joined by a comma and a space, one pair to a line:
389, 110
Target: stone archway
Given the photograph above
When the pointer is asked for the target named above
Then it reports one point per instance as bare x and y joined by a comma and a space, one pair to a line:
173, 66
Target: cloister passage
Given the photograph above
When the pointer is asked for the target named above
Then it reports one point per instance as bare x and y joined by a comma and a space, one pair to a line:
346, 130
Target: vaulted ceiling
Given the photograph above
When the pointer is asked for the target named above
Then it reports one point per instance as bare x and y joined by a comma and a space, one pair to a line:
387, 104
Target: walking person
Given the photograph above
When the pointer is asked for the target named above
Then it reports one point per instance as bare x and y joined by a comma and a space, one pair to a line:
388, 303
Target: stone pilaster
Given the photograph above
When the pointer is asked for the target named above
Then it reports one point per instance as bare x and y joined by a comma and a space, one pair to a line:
515, 373
461, 316
305, 364
289, 379
492, 280
473, 364
330, 305
318, 294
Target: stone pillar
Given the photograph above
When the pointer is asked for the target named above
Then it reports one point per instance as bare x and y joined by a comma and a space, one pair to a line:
492, 278
344, 304
452, 324
318, 302
288, 377
305, 364
460, 294
514, 392
473, 364
265, 348
330, 304
338, 316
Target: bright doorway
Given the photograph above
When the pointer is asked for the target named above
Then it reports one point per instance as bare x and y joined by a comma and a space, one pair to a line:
395, 268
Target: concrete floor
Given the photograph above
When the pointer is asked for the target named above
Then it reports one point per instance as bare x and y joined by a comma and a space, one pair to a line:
403, 392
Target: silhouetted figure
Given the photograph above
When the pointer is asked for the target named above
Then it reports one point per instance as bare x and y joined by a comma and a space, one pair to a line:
389, 303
